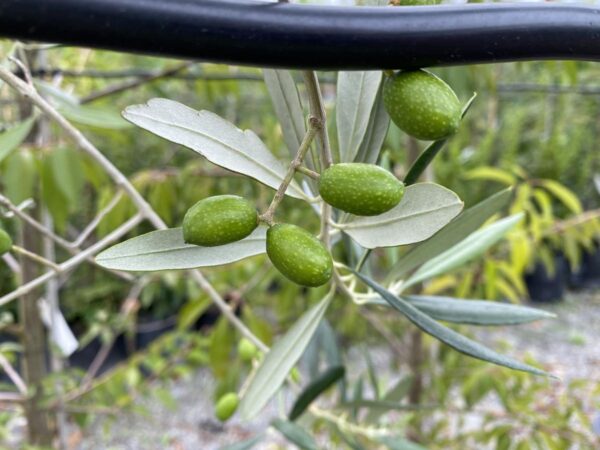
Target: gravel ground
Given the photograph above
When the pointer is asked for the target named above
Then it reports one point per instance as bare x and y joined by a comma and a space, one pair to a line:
567, 346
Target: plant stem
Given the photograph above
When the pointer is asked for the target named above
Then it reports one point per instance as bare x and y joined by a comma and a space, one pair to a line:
317, 110
35, 257
309, 173
313, 128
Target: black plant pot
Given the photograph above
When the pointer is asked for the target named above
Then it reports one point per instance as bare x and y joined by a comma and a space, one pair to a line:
547, 288
148, 330
590, 268
83, 357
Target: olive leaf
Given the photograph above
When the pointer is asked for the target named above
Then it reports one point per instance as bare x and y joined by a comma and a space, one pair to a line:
281, 359
165, 250
379, 122
213, 137
314, 389
474, 312
72, 109
12, 137
466, 223
356, 94
466, 250
295, 434
424, 210
445, 334
288, 107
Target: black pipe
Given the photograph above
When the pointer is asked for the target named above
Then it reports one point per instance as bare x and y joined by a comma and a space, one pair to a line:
308, 36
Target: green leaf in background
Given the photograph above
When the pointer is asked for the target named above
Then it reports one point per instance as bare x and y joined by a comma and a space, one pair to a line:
314, 389
295, 434
288, 107
466, 250
383, 405
356, 94
423, 211
93, 116
20, 176
11, 138
491, 174
69, 106
430, 152
400, 443
213, 137
473, 312
52, 194
448, 336
377, 128
244, 445
564, 194
393, 396
165, 250
67, 170
466, 223
280, 359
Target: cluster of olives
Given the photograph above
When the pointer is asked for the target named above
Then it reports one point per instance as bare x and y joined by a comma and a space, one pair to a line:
360, 189
418, 102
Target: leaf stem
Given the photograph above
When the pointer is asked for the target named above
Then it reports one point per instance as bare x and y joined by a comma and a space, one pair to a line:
313, 127
35, 257
309, 173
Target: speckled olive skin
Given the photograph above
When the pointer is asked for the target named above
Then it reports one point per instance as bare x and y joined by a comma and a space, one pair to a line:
299, 255
5, 242
422, 105
360, 189
226, 406
219, 220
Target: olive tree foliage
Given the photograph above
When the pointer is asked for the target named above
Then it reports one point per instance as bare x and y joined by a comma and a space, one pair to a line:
429, 222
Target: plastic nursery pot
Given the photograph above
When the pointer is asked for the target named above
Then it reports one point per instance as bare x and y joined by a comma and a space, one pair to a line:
83, 357
590, 268
544, 287
148, 330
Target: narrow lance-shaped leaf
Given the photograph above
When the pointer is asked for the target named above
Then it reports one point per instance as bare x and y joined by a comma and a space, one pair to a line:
468, 249
393, 396
430, 152
424, 210
280, 360
288, 107
72, 109
166, 250
399, 443
295, 434
218, 140
466, 223
474, 312
356, 94
14, 136
379, 122
445, 334
314, 389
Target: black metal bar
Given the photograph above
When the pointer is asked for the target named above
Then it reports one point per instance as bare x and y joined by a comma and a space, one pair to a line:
308, 36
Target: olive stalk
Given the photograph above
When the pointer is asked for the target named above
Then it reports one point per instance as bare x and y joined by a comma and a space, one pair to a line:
35, 257
313, 127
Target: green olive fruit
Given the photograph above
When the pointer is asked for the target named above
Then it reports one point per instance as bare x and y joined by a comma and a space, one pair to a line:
422, 105
360, 189
226, 406
219, 220
5, 242
299, 255
247, 350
